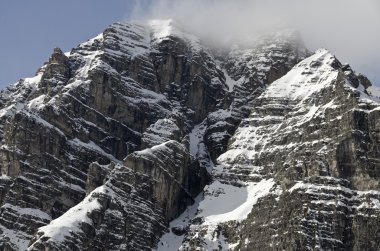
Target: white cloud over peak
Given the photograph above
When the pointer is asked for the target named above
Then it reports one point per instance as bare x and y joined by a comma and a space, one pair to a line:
348, 28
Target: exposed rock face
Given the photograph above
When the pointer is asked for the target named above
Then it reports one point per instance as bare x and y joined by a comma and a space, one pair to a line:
130, 210
248, 70
106, 99
110, 146
311, 136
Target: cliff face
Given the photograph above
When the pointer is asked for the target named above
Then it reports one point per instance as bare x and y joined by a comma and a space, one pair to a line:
306, 160
143, 138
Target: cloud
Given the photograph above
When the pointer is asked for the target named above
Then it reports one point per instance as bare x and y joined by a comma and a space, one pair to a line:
348, 28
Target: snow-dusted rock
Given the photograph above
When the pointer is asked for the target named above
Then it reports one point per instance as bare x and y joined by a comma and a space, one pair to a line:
109, 146
129, 88
313, 136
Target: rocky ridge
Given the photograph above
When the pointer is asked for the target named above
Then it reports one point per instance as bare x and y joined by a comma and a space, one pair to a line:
144, 127
306, 158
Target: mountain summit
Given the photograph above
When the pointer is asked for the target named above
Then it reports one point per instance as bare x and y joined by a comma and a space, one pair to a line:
145, 138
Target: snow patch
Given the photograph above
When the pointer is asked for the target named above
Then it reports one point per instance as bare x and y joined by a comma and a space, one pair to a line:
17, 238
163, 29
91, 145
71, 221
196, 138
374, 91
37, 213
225, 202
198, 148
309, 76
171, 241
37, 103
232, 83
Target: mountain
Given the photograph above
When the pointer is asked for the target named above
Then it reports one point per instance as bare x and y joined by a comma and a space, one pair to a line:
147, 138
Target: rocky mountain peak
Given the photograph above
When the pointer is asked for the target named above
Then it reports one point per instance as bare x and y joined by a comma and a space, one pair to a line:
147, 138
57, 56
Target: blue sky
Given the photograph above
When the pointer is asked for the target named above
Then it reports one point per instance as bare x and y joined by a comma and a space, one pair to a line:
30, 29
